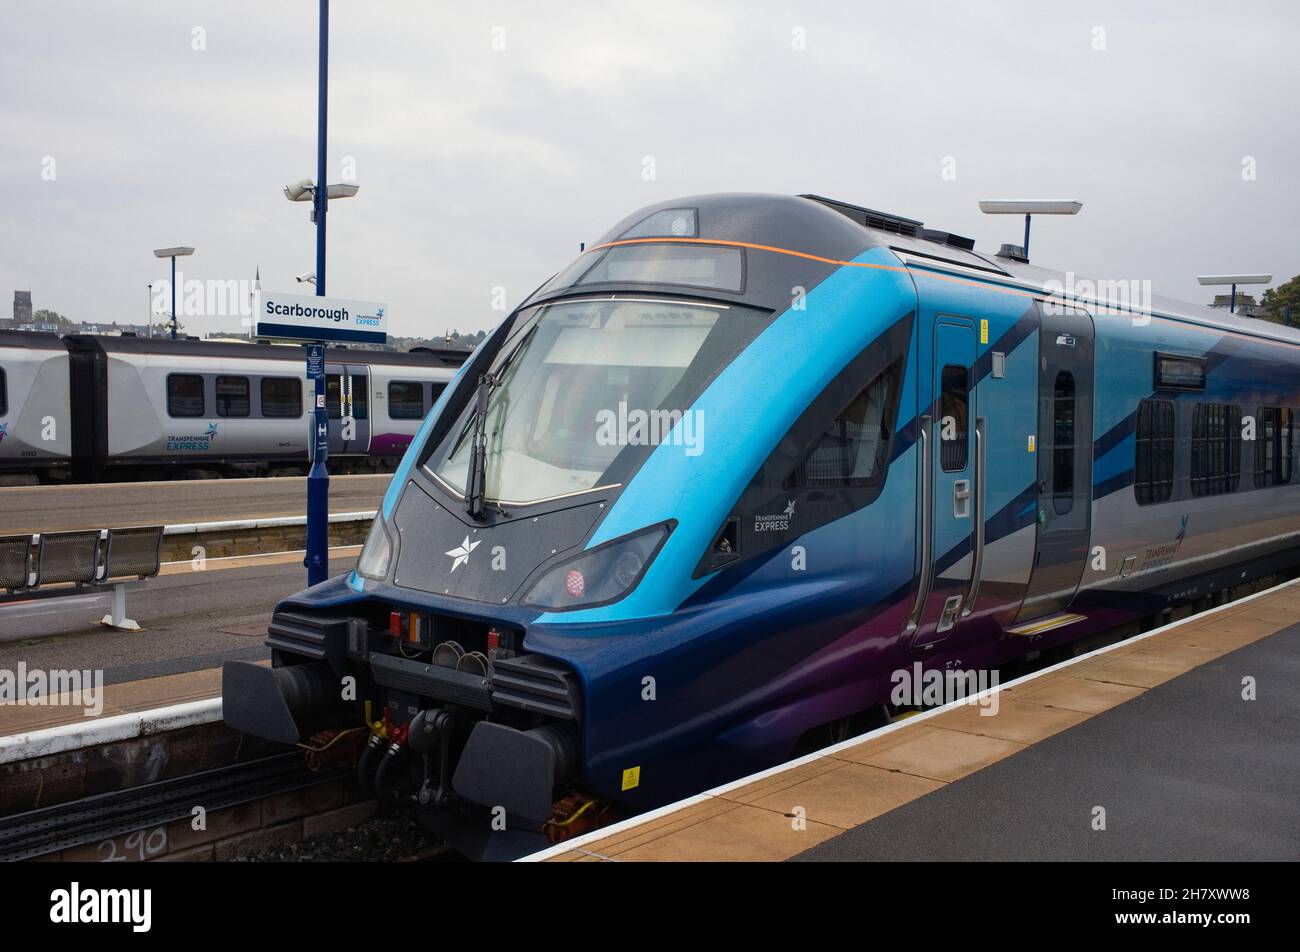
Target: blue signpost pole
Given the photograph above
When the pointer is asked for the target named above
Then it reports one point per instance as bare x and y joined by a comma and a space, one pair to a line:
318, 480
173, 297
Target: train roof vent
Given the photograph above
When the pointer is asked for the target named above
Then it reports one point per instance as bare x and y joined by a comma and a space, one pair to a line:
1014, 252
948, 238
870, 218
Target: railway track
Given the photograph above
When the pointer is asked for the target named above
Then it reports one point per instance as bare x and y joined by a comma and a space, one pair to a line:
141, 808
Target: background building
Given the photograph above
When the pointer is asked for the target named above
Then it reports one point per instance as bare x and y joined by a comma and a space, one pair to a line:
22, 310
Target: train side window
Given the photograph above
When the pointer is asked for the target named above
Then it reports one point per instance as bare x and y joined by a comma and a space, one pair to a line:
953, 405
405, 400
1272, 447
233, 398
1216, 449
851, 449
1284, 423
185, 395
360, 396
281, 397
4, 394
334, 396
1153, 464
435, 391
1063, 443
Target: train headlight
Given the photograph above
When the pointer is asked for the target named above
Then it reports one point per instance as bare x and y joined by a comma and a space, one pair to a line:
600, 575
377, 553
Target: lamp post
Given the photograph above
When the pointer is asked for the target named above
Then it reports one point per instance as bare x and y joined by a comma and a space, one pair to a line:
1029, 208
319, 194
1234, 280
173, 253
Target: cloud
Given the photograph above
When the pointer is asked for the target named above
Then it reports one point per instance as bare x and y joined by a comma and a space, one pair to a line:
490, 139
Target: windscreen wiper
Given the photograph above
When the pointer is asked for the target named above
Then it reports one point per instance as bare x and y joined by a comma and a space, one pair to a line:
476, 485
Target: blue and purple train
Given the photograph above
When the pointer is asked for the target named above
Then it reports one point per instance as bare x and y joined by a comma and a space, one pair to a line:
692, 504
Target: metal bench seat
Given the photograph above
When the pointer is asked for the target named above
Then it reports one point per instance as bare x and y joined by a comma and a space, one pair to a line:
53, 564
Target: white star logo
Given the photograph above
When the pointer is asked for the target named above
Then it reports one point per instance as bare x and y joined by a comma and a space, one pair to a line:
460, 554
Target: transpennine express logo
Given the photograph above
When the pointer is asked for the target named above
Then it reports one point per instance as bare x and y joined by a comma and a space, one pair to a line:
3, 428
192, 442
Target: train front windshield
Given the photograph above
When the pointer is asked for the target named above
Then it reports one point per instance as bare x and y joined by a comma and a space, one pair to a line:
579, 381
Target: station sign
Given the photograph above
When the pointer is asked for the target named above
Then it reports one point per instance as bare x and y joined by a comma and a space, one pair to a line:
310, 317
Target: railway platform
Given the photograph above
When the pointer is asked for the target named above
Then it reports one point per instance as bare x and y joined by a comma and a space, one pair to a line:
54, 508
1179, 744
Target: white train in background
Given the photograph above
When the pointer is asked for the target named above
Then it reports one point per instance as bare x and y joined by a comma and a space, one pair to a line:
90, 408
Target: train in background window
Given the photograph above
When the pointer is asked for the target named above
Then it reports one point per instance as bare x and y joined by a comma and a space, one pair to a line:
91, 408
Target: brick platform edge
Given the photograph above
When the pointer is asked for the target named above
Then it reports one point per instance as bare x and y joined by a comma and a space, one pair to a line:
228, 833
234, 832
224, 543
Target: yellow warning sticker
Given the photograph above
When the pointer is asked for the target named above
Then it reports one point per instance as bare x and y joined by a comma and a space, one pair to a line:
984, 331
631, 777
1031, 442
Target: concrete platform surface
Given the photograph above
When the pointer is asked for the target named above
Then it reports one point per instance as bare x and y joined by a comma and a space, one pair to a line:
116, 505
1151, 737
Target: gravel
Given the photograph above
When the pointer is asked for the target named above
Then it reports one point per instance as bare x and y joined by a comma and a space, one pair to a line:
377, 840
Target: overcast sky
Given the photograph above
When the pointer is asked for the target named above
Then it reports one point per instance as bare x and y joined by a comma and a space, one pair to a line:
483, 167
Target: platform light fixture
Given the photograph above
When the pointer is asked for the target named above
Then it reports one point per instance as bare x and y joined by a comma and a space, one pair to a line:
179, 251
1234, 280
1029, 208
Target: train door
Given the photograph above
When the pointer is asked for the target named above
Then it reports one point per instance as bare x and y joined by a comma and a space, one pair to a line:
347, 405
359, 375
1065, 375
948, 464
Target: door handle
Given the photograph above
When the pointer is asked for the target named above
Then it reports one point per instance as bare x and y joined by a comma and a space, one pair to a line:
961, 499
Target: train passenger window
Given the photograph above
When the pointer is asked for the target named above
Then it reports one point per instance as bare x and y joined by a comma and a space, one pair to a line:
435, 391
334, 396
185, 395
1216, 449
233, 397
953, 402
281, 397
360, 396
851, 450
1272, 447
405, 400
1063, 443
1153, 464
4, 394
1284, 422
